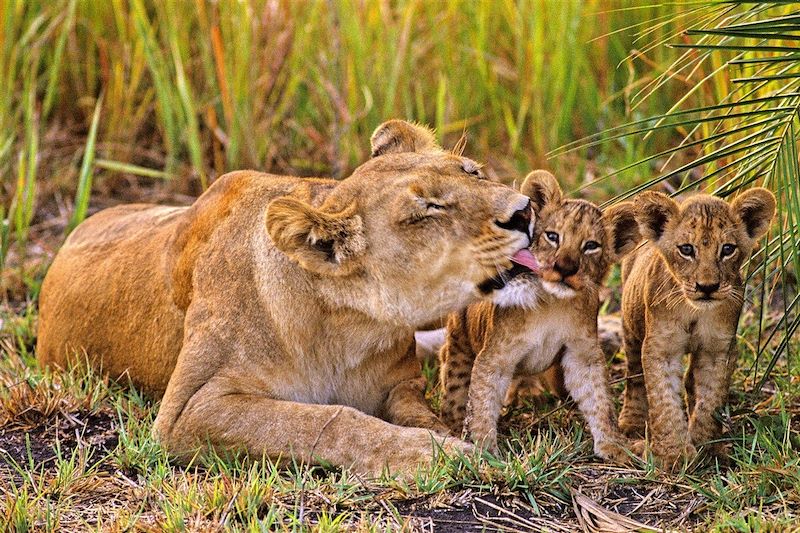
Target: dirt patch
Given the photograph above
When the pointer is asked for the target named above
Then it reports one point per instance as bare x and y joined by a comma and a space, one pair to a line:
468, 511
62, 435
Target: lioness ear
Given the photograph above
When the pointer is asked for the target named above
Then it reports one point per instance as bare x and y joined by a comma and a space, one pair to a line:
755, 208
542, 188
326, 243
398, 136
654, 211
622, 228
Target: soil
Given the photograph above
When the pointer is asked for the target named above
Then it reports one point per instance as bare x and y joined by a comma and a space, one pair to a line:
62, 436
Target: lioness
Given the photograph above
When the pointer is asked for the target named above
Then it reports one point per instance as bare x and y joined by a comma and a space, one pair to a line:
541, 319
682, 293
276, 314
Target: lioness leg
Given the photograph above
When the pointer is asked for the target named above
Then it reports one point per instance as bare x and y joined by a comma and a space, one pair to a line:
281, 430
406, 406
633, 416
585, 379
711, 376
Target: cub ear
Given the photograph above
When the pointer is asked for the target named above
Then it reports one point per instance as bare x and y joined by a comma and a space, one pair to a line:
755, 208
398, 136
622, 228
542, 188
654, 212
325, 243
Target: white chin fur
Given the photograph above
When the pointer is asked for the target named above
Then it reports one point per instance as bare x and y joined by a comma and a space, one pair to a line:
517, 294
559, 290
701, 305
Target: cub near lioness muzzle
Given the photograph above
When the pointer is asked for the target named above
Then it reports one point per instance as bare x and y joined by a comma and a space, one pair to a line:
538, 320
276, 314
682, 293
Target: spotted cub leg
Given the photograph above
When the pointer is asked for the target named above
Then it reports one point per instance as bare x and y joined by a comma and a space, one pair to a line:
455, 367
633, 417
492, 374
711, 373
586, 380
667, 424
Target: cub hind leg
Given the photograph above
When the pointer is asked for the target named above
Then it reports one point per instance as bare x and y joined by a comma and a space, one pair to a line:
456, 359
633, 416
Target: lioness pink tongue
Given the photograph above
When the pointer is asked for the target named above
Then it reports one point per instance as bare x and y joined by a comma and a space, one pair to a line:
525, 258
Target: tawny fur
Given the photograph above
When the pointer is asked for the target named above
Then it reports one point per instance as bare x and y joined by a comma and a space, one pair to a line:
276, 314
665, 317
540, 322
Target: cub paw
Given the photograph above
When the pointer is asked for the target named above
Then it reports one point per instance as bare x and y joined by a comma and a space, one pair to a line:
631, 425
618, 451
671, 458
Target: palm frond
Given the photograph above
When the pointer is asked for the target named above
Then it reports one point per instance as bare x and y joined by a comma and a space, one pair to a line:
745, 57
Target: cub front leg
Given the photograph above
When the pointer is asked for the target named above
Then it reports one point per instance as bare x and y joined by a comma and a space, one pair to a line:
668, 427
711, 372
586, 380
492, 374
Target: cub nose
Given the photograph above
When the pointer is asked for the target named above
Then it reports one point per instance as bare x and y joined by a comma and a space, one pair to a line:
520, 220
708, 289
566, 267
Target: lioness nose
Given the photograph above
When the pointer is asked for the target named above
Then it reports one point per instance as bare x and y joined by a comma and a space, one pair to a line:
566, 267
520, 220
707, 289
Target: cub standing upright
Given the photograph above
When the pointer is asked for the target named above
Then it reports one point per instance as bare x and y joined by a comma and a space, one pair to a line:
682, 293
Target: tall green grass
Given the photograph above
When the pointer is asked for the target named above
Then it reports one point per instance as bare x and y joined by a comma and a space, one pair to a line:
195, 89
747, 135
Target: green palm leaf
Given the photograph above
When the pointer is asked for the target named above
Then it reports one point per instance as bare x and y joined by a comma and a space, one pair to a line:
748, 137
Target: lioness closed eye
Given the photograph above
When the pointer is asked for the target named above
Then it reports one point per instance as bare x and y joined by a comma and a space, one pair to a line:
682, 293
537, 320
276, 314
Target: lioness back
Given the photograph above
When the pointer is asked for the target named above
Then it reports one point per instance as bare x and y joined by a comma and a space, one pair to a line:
95, 257
93, 276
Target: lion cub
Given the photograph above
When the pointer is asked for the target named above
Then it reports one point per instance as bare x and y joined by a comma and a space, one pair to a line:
682, 293
537, 320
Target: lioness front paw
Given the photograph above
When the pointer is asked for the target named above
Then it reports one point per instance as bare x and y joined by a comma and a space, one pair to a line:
411, 459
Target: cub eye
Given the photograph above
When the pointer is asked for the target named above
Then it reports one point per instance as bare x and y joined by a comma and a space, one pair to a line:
591, 246
686, 250
727, 250
434, 206
552, 237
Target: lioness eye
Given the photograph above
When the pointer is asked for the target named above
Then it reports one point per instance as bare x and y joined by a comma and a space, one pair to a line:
552, 237
434, 205
686, 250
472, 170
590, 246
727, 250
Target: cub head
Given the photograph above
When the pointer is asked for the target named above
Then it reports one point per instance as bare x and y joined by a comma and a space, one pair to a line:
574, 242
414, 233
705, 240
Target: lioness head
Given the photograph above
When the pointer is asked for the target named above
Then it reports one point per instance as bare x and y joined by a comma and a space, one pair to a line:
411, 235
705, 240
574, 242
